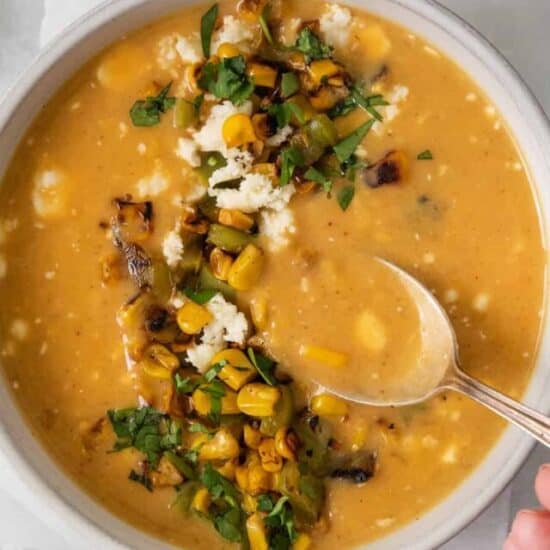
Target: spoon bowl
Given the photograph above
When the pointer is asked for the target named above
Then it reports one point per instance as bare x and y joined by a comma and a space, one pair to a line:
438, 368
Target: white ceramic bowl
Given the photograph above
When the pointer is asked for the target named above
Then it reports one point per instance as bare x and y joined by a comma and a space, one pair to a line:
58, 501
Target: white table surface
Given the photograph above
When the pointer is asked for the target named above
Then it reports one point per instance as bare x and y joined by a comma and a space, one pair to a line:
519, 28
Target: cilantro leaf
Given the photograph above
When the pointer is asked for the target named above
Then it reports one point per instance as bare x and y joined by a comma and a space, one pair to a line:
213, 371
345, 148
289, 84
283, 113
311, 45
313, 174
291, 158
355, 99
282, 531
216, 390
185, 385
263, 20
264, 365
146, 112
218, 486
229, 524
264, 503
227, 79
181, 464
200, 297
143, 479
208, 22
345, 196
425, 155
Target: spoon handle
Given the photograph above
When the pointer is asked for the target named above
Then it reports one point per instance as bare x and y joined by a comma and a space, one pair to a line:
533, 422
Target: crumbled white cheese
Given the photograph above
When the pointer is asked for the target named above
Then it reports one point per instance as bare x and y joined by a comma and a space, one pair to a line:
19, 329
153, 185
3, 266
238, 164
167, 54
188, 150
49, 194
335, 25
172, 247
255, 191
235, 31
277, 227
397, 95
189, 49
196, 193
229, 325
209, 137
280, 137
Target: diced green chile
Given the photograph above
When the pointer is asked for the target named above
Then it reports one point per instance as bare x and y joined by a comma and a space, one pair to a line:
161, 280
185, 496
185, 113
228, 238
207, 280
284, 413
210, 162
208, 208
314, 439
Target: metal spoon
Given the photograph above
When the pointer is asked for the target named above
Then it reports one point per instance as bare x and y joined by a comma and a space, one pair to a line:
438, 369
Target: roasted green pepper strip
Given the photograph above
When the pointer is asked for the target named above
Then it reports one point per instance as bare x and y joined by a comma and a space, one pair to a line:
185, 113
208, 281
228, 238
210, 162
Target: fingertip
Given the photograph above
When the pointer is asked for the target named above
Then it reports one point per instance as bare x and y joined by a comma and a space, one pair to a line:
530, 531
542, 485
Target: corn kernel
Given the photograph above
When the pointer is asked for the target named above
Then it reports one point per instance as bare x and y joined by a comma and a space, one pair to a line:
258, 312
227, 470
247, 268
324, 99
265, 169
190, 74
227, 50
241, 477
323, 69
252, 437
286, 443
238, 130
255, 530
223, 446
337, 81
328, 405
192, 317
303, 542
258, 399
238, 371
236, 219
272, 461
159, 362
250, 503
371, 332
306, 108
259, 480
203, 404
201, 501
323, 355
221, 263
263, 75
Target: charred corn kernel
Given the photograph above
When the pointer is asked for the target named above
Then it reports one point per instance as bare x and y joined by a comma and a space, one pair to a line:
258, 399
201, 501
241, 477
259, 480
238, 130
203, 403
227, 470
250, 503
302, 542
190, 74
255, 529
324, 99
247, 268
265, 169
323, 355
197, 440
227, 50
297, 60
237, 371
236, 219
264, 126
325, 404
337, 81
192, 317
221, 263
401, 160
159, 362
272, 461
252, 437
258, 312
263, 75
371, 332
223, 446
286, 443
323, 69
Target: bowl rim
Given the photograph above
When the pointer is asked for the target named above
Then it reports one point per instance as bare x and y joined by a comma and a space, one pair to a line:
99, 16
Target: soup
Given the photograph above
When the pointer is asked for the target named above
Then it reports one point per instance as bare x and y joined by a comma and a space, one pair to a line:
188, 242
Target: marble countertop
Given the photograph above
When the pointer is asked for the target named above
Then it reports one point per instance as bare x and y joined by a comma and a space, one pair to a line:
518, 28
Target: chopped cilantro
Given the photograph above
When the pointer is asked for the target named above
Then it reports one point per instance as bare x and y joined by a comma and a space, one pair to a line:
216, 390
346, 148
280, 521
218, 486
264, 365
181, 464
313, 174
146, 112
142, 479
425, 155
291, 158
311, 45
197, 427
355, 99
345, 196
185, 385
229, 524
200, 297
208, 22
283, 113
289, 84
227, 79
264, 503
263, 20
213, 371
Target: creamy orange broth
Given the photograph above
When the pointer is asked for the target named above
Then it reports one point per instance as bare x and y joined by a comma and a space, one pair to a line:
464, 223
